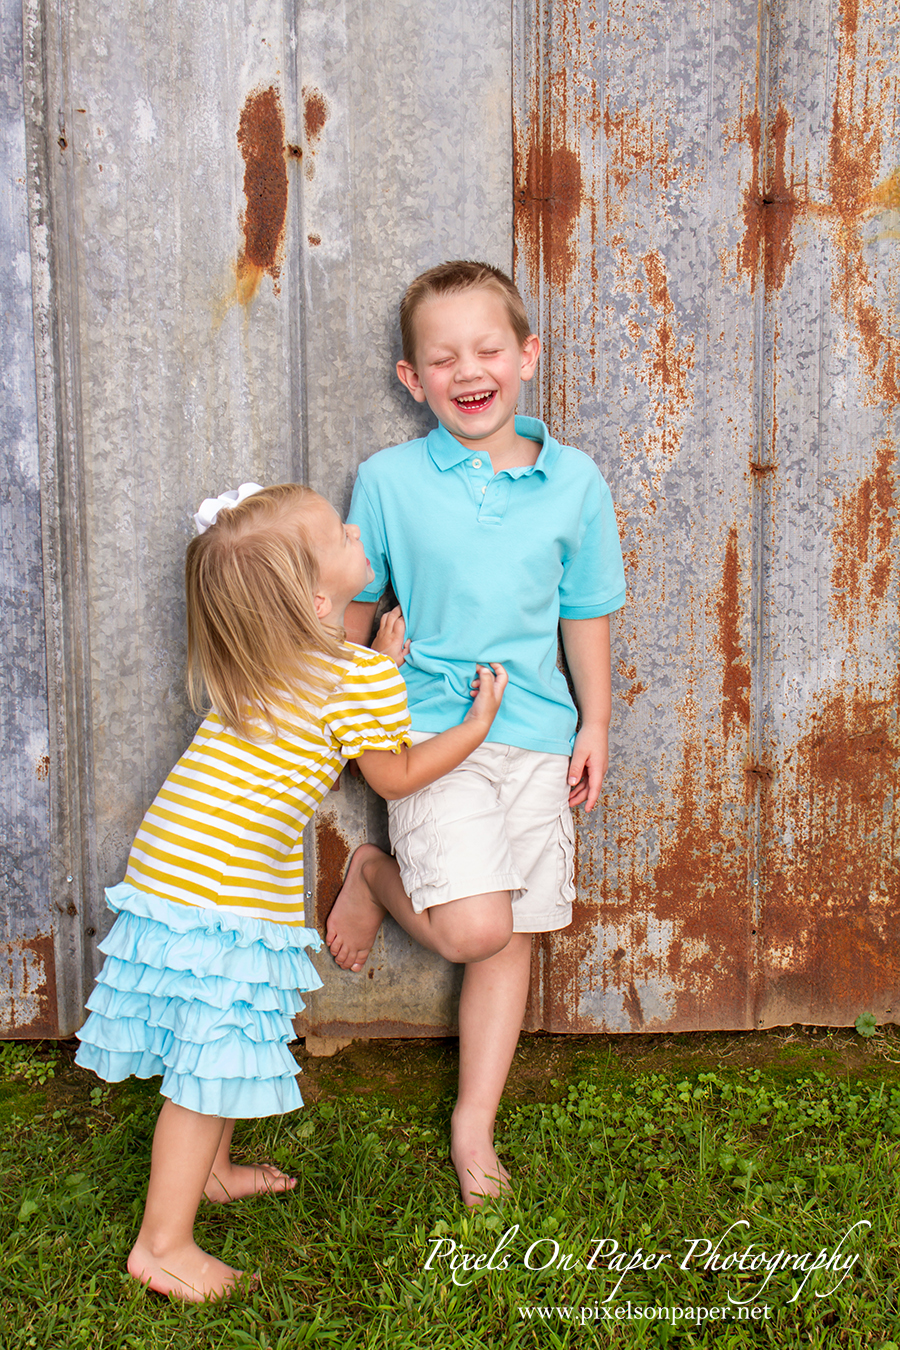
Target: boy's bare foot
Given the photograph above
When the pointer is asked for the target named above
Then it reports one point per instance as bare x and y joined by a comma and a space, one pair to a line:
237, 1182
356, 915
186, 1272
482, 1175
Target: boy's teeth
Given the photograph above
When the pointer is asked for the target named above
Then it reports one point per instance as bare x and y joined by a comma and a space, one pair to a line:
472, 398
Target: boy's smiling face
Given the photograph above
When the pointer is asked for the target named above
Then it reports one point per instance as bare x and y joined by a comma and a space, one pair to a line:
469, 365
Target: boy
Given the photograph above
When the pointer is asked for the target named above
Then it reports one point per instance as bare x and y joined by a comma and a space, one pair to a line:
494, 538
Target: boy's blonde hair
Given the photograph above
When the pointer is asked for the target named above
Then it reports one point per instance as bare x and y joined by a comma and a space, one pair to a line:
450, 278
253, 632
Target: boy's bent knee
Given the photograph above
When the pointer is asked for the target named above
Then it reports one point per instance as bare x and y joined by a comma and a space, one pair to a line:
473, 928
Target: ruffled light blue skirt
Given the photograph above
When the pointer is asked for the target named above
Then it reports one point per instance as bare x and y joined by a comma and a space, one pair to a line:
204, 997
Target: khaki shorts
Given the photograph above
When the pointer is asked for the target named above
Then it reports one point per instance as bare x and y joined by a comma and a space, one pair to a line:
499, 822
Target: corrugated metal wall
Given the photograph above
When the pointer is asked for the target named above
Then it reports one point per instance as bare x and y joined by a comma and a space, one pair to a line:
225, 204
707, 202
27, 967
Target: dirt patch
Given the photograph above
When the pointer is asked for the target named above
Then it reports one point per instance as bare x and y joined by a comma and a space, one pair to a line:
544, 1065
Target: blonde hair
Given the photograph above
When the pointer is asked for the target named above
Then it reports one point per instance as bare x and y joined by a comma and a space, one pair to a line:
253, 632
450, 278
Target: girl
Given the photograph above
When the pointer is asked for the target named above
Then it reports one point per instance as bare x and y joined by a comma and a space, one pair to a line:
204, 961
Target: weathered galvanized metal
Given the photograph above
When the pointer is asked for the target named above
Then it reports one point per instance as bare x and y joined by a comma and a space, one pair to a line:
223, 225
707, 221
27, 968
706, 218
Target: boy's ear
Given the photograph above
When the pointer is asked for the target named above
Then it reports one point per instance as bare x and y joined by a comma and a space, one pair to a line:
531, 350
406, 374
322, 605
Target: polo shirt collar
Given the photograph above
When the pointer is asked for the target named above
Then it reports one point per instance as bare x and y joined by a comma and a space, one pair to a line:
446, 451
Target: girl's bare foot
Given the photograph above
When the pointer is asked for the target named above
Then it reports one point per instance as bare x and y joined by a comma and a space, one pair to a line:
186, 1272
356, 915
236, 1182
482, 1175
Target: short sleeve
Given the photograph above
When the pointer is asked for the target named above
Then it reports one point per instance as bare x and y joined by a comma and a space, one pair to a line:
365, 513
593, 581
368, 709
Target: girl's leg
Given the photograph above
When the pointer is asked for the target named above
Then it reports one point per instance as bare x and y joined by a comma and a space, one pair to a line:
165, 1255
491, 1008
470, 929
229, 1180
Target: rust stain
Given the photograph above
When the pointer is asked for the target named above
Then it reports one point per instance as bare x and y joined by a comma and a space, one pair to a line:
769, 212
314, 240
43, 768
638, 148
332, 856
863, 545
697, 892
833, 875
855, 149
683, 921
261, 139
665, 367
28, 988
629, 672
315, 115
548, 199
736, 671
863, 105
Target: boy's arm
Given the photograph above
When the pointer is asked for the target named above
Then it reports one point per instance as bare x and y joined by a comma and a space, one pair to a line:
395, 775
586, 644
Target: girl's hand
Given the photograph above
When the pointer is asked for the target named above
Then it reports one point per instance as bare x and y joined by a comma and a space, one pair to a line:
389, 640
487, 693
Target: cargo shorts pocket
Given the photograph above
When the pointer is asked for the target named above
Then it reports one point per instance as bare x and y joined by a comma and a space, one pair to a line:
566, 856
416, 842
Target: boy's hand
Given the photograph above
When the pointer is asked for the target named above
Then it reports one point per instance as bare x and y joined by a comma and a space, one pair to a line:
389, 640
588, 765
487, 692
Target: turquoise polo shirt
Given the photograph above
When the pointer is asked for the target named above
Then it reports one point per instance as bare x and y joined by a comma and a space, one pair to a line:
484, 565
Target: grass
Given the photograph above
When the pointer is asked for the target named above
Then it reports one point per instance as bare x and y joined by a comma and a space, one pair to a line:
641, 1167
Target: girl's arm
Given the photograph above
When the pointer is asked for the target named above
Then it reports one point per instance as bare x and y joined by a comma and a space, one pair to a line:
586, 644
395, 775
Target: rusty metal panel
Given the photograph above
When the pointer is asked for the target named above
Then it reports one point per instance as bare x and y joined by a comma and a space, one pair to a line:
829, 264
412, 164
222, 226
27, 983
167, 366
706, 215
629, 218
706, 219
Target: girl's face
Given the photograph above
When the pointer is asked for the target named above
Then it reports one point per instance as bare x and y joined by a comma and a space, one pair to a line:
344, 569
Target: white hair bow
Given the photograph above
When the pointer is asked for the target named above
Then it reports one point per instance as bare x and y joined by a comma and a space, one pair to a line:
211, 506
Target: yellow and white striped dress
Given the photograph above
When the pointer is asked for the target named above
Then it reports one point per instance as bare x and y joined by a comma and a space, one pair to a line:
225, 828
207, 956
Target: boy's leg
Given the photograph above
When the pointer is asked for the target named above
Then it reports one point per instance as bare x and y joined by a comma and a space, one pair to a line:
491, 1008
466, 930
229, 1180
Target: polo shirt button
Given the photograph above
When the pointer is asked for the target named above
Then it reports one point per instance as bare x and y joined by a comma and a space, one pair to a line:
476, 463
483, 491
